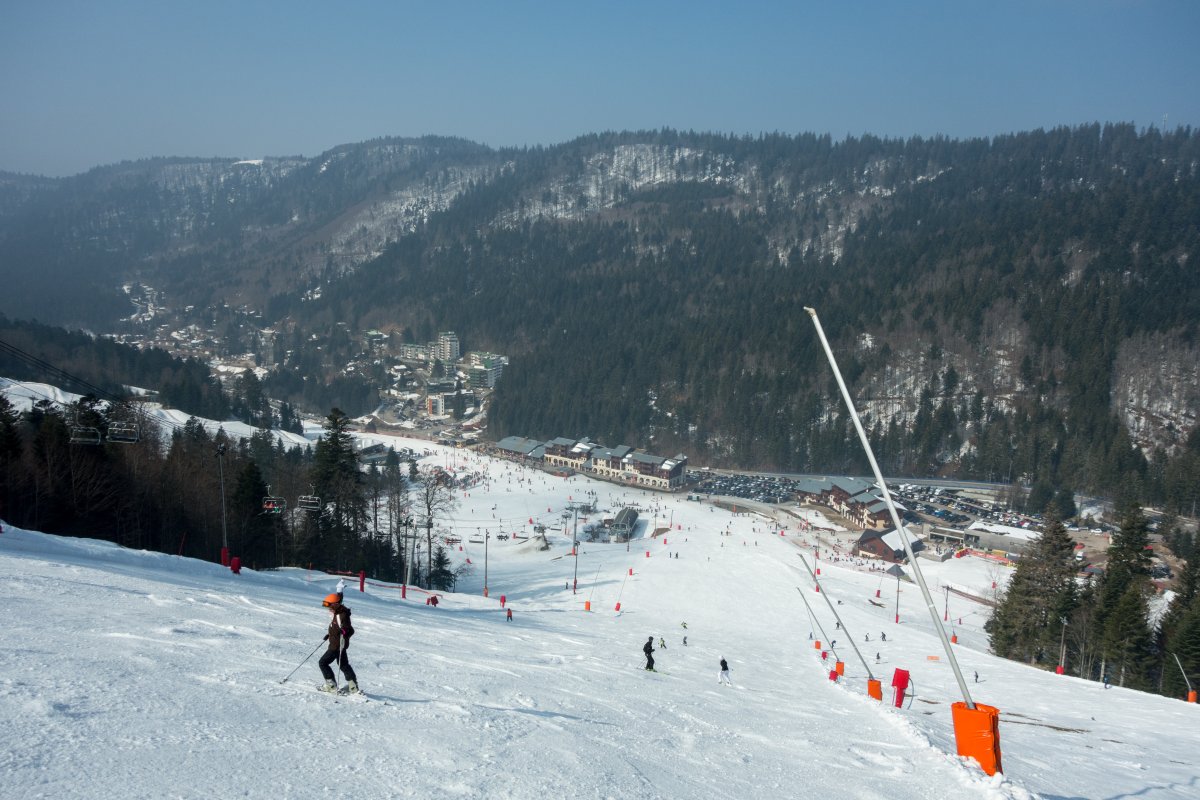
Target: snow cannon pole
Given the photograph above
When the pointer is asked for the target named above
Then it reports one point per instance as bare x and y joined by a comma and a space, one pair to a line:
813, 619
986, 736
1191, 695
621, 591
838, 617
592, 590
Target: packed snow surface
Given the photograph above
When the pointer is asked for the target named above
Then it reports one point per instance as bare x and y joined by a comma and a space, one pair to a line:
141, 675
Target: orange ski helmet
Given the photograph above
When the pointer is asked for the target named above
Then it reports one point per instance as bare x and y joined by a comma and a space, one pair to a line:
331, 599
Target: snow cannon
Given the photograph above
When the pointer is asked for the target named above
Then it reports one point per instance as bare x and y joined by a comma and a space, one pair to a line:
900, 684
977, 734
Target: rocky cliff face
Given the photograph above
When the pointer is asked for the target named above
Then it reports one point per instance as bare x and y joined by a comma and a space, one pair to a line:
1156, 388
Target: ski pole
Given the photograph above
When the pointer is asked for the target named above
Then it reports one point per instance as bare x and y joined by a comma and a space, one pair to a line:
341, 661
302, 663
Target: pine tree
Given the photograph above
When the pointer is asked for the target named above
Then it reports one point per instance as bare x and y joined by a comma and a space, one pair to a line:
337, 481
10, 452
1172, 631
440, 575
1127, 570
1128, 645
1183, 644
1028, 622
252, 531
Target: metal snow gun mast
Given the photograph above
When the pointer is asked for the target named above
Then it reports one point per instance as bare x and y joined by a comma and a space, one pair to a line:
976, 726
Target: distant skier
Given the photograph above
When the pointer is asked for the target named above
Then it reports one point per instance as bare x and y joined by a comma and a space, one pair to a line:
723, 677
662, 643
977, 676
685, 641
340, 631
883, 636
648, 649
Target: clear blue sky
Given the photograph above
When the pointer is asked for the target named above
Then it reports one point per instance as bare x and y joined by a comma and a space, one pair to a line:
90, 83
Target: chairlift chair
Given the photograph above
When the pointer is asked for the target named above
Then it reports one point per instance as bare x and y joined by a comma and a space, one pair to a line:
309, 502
274, 505
123, 432
84, 434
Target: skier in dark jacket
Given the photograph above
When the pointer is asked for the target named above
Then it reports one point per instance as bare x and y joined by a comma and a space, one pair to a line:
340, 631
648, 649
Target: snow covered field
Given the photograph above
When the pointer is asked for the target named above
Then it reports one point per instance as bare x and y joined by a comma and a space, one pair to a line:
140, 675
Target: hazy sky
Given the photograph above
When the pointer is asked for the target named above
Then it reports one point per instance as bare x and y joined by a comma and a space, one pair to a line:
90, 83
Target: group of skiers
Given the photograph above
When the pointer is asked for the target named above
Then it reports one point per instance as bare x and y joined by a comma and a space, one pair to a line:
648, 649
341, 629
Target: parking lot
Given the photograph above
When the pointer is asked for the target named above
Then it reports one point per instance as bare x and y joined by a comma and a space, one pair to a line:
763, 488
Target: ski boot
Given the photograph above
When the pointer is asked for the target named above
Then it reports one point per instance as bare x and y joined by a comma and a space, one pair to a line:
329, 686
352, 687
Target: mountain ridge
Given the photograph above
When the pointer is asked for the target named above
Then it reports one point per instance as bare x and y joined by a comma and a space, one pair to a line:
1010, 284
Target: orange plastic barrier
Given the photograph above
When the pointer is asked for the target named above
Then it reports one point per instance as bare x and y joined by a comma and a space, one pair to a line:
1192, 696
875, 689
977, 734
817, 644
587, 605
840, 666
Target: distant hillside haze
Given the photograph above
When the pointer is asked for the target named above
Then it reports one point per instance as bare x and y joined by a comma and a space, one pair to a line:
1021, 308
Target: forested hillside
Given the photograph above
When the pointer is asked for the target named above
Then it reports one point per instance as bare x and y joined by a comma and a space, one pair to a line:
84, 364
1022, 308
980, 294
